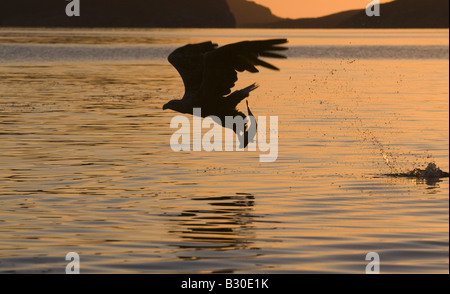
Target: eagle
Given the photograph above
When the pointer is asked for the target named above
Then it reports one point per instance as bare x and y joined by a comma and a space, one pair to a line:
209, 74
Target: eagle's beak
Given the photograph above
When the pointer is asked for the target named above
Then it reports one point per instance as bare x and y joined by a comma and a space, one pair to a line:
165, 107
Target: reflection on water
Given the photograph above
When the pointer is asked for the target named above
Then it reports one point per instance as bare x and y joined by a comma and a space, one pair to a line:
227, 226
86, 166
228, 223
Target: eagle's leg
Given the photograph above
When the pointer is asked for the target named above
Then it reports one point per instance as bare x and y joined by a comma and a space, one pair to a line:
250, 130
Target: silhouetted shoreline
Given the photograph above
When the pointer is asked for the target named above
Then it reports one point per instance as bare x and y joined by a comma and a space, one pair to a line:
214, 14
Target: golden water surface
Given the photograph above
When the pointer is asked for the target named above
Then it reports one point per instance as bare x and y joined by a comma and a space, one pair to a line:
86, 165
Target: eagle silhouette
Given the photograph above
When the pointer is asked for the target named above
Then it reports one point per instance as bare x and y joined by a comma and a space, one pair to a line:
210, 72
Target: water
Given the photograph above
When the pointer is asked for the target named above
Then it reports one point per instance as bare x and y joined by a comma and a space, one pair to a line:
86, 166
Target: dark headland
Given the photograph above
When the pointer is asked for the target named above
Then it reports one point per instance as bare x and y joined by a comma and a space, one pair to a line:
118, 13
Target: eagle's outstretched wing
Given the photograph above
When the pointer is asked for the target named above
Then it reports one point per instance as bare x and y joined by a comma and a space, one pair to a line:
188, 60
221, 65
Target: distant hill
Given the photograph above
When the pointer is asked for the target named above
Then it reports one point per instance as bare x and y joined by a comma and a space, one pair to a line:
249, 14
118, 13
396, 14
404, 14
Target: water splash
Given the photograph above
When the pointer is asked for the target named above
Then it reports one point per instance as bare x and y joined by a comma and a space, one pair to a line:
387, 156
396, 161
430, 173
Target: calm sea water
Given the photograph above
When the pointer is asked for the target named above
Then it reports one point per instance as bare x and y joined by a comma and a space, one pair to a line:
86, 165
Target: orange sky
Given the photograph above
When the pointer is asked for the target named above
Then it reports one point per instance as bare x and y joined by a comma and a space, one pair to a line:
312, 8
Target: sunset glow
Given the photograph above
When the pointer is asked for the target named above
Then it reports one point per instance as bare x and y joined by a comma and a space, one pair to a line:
317, 8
